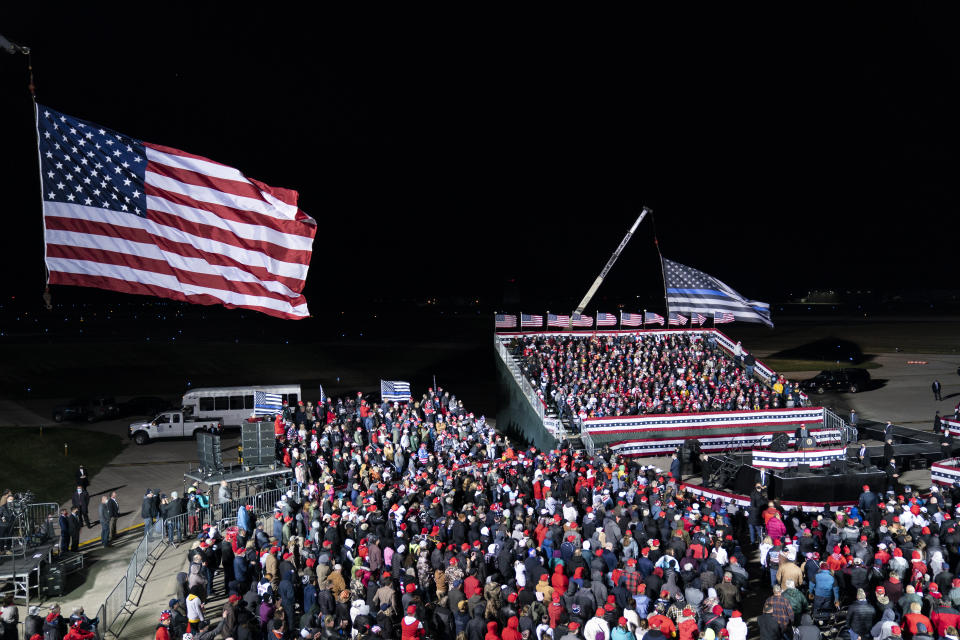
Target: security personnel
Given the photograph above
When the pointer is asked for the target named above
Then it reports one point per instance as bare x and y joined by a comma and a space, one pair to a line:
7, 520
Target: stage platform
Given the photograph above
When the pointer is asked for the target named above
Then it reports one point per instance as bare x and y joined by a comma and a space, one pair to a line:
909, 445
21, 570
796, 484
238, 475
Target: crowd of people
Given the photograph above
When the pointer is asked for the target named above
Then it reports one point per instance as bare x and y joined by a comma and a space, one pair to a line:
597, 376
418, 520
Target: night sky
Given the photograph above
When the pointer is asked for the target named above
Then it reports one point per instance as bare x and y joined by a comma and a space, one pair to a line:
504, 156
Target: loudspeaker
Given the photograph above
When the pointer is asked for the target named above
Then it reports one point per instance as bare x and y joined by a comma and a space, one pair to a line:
208, 451
53, 582
803, 468
780, 442
259, 444
838, 466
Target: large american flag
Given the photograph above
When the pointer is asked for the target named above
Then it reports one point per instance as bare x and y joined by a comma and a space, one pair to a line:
582, 320
631, 319
721, 317
691, 290
606, 320
553, 320
396, 390
137, 217
677, 320
505, 321
530, 320
653, 318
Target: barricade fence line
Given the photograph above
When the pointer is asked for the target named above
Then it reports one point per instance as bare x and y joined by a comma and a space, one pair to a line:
102, 616
159, 534
113, 604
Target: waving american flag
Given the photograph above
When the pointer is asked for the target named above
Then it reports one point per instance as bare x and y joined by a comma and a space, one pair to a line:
137, 217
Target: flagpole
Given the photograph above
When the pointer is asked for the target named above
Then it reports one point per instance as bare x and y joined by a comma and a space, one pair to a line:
663, 272
643, 324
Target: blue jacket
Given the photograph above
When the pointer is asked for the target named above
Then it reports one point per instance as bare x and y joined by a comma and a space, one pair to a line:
245, 519
824, 585
240, 568
619, 633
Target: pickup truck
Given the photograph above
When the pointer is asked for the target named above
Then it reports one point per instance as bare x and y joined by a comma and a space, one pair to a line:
171, 424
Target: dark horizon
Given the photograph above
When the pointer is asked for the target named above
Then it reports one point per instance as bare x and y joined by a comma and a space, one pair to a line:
780, 153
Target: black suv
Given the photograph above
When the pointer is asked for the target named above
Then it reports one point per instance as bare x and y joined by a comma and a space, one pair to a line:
89, 408
851, 380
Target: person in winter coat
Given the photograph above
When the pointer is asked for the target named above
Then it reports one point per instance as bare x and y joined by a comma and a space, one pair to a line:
559, 581
77, 632
410, 627
492, 632
33, 623
163, 627
860, 615
736, 627
622, 631
512, 630
807, 630
595, 625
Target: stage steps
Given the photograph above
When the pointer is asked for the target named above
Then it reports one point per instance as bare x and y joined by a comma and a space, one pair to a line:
730, 463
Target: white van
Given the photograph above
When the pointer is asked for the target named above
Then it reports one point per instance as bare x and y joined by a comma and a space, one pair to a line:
232, 405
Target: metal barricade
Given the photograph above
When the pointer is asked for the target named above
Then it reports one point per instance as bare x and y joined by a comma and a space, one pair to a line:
42, 522
117, 600
532, 397
113, 605
130, 579
587, 441
102, 616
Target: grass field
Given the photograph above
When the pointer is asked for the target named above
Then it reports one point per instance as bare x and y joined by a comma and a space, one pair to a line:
35, 459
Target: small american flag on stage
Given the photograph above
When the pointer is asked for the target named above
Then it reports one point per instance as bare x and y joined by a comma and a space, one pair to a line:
530, 320
137, 217
721, 317
505, 321
582, 320
606, 320
653, 318
396, 390
631, 319
266, 404
698, 319
553, 320
677, 320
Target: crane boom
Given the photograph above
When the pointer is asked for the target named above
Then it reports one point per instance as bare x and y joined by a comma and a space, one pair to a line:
603, 274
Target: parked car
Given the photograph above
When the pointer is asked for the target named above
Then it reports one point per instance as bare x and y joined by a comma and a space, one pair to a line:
89, 408
172, 425
144, 406
852, 380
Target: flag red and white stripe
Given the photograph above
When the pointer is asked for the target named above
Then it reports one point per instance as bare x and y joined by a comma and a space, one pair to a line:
531, 320
631, 319
194, 230
606, 320
582, 320
505, 321
677, 319
554, 320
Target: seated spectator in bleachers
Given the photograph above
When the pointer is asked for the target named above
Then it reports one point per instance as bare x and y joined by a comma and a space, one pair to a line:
597, 376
